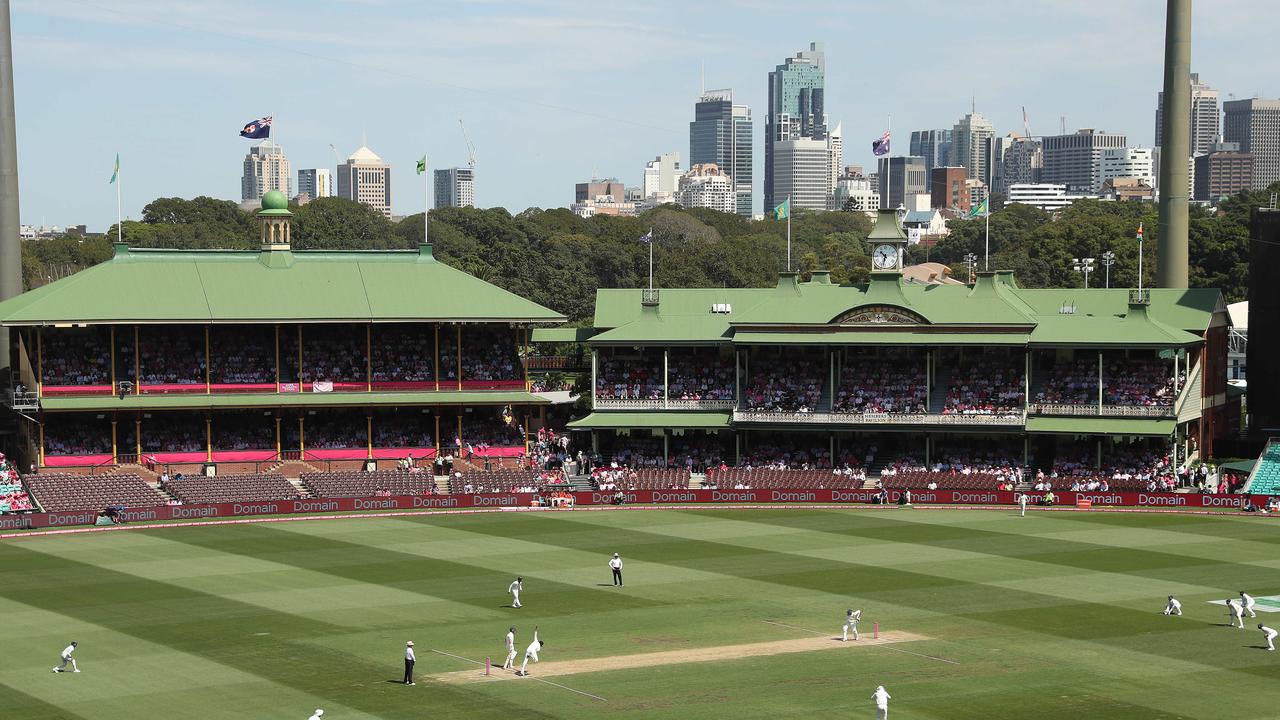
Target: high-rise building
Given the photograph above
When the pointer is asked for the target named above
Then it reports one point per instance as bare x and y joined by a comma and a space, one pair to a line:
1222, 172
1255, 125
1134, 163
800, 172
265, 168
797, 110
455, 187
971, 141
948, 188
705, 186
1046, 196
365, 178
661, 175
609, 190
835, 162
721, 135
1206, 117
1021, 160
314, 183
900, 178
932, 145
1075, 160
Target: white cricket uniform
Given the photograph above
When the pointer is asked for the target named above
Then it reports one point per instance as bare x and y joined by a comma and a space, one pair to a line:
851, 623
316, 715
1022, 502
67, 659
1237, 612
511, 651
882, 697
1247, 600
1270, 635
514, 589
531, 652
1173, 608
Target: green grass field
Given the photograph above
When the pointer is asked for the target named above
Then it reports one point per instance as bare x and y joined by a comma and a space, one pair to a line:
1053, 616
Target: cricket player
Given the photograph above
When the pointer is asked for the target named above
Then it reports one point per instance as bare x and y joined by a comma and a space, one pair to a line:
409, 660
515, 589
615, 564
316, 715
1270, 635
1173, 607
1235, 611
66, 658
511, 649
1022, 503
882, 698
531, 652
1248, 602
851, 618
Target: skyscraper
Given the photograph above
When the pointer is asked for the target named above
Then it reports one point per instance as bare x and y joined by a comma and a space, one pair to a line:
900, 178
1127, 163
455, 187
932, 145
835, 164
1075, 160
1020, 162
661, 175
796, 110
365, 178
1206, 117
315, 183
705, 186
800, 172
1255, 125
265, 168
971, 145
1222, 172
720, 135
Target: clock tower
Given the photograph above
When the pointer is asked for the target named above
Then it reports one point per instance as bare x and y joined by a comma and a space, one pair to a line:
888, 244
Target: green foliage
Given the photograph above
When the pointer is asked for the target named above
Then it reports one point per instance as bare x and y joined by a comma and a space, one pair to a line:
334, 223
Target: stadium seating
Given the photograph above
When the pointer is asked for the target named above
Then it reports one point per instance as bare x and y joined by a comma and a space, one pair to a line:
1266, 480
770, 478
59, 493
368, 484
946, 481
232, 488
504, 480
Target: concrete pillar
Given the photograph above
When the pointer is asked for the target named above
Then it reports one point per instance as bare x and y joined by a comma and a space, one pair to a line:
1172, 260
10, 243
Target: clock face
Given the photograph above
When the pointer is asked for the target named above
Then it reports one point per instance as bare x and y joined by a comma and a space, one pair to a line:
885, 257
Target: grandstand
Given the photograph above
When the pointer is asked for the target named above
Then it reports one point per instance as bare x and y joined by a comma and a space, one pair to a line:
232, 488
1265, 478
59, 492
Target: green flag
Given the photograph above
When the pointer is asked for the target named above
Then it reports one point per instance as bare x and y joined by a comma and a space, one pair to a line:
115, 172
978, 211
783, 211
422, 165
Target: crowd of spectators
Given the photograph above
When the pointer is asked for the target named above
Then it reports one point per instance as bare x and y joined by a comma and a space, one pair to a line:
13, 495
403, 353
986, 457
243, 355
695, 453
794, 456
1070, 383
881, 385
790, 383
175, 432
700, 375
77, 435
403, 430
1146, 383
637, 452
1137, 466
334, 354
550, 449
75, 357
482, 430
327, 430
489, 353
994, 386
448, 353
173, 355
637, 378
244, 431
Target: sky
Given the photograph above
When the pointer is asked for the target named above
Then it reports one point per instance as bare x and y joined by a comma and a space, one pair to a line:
554, 91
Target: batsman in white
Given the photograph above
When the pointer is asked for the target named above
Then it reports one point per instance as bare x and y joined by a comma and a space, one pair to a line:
1235, 614
316, 715
882, 698
1248, 602
851, 618
516, 586
531, 652
1022, 502
1270, 636
1173, 607
511, 649
66, 658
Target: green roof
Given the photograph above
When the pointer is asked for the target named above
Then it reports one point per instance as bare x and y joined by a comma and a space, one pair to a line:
272, 400
879, 337
1100, 426
681, 316
562, 334
643, 419
226, 286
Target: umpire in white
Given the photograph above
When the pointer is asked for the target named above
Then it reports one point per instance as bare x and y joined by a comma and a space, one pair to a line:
408, 663
615, 564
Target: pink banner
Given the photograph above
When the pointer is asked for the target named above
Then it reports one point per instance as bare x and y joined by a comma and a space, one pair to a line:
76, 390
405, 386
76, 460
244, 455
334, 386
499, 452
400, 453
197, 456
338, 454
490, 385
172, 388
242, 387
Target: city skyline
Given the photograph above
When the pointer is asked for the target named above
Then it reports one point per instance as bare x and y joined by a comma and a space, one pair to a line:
196, 53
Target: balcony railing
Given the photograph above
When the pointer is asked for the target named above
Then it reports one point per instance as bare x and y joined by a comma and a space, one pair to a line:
1139, 297
1142, 411
660, 404
757, 416
25, 401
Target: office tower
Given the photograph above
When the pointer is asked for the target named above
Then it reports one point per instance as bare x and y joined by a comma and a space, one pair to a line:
1254, 124
1206, 116
1127, 163
800, 172
599, 190
1222, 172
971, 141
949, 189
706, 186
455, 187
365, 178
265, 168
1075, 160
932, 145
661, 175
900, 178
1020, 161
314, 183
835, 162
796, 111
721, 135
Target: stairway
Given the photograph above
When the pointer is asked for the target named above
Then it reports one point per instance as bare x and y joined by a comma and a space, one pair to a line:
938, 390
302, 489
1038, 376
291, 468
140, 470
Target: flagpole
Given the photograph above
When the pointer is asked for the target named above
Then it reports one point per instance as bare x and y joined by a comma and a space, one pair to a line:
888, 165
426, 202
651, 259
986, 253
1140, 239
119, 216
788, 233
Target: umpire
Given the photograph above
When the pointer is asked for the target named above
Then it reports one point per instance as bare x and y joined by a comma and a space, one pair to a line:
408, 663
615, 564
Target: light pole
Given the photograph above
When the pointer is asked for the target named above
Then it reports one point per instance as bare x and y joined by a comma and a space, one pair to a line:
970, 259
1083, 265
1108, 259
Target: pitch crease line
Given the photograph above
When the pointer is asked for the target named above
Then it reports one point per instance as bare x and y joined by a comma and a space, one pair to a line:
545, 682
886, 647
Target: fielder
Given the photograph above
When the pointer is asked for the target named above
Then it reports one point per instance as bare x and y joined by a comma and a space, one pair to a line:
511, 649
316, 715
851, 618
1174, 607
1248, 602
531, 652
515, 589
1235, 611
1022, 503
882, 698
1270, 635
66, 658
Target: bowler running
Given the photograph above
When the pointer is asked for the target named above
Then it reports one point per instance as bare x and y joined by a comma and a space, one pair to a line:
530, 652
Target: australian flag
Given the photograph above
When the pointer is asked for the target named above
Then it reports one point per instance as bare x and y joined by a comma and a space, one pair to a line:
257, 129
878, 147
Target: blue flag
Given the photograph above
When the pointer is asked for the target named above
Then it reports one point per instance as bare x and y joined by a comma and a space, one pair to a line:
881, 146
647, 237
257, 129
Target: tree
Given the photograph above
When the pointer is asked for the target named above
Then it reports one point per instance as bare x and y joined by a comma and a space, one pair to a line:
333, 223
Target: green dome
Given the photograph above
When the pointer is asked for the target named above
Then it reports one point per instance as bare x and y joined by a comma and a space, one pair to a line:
275, 200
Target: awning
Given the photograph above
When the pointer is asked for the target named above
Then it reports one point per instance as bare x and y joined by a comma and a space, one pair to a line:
1100, 426
1244, 467
562, 334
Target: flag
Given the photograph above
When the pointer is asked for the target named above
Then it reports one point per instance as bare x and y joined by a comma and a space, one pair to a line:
115, 173
977, 211
881, 146
783, 211
647, 237
1139, 232
257, 129
422, 165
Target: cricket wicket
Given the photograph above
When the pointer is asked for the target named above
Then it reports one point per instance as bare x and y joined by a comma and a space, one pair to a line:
875, 632
486, 665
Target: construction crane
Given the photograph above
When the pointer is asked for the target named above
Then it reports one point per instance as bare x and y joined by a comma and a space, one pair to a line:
471, 149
